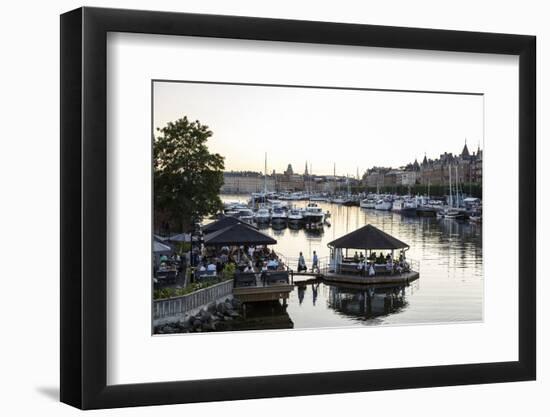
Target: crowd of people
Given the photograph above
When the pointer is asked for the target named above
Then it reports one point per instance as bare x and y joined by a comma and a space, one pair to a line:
245, 258
374, 263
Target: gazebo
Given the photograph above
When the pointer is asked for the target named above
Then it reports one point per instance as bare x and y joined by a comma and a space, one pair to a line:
367, 238
223, 223
238, 234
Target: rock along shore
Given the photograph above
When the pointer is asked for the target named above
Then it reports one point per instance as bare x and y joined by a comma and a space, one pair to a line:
214, 317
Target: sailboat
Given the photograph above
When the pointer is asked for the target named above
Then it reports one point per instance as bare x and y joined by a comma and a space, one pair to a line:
450, 212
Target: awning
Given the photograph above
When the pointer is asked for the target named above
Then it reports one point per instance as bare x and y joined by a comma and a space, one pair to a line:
161, 247
238, 234
222, 223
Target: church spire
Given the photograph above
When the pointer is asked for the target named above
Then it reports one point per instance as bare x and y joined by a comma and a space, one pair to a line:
465, 151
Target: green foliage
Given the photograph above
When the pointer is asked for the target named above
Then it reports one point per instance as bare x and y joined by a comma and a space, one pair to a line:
163, 293
229, 271
187, 177
184, 247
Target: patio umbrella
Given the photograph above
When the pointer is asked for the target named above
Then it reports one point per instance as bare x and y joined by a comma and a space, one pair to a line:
180, 237
161, 247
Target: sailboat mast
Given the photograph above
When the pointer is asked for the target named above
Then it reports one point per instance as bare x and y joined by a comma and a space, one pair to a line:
334, 175
456, 176
450, 187
265, 174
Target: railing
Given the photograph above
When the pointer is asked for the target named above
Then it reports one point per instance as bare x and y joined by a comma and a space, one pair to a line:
292, 262
185, 303
382, 268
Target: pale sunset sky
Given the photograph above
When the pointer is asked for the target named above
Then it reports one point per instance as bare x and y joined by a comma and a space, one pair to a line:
350, 128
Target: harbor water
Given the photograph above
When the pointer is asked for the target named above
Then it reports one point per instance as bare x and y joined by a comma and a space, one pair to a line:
449, 253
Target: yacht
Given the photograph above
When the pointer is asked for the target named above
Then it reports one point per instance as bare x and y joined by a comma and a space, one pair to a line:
409, 206
313, 213
278, 215
450, 213
295, 215
278, 204
398, 205
245, 214
262, 215
383, 204
367, 203
232, 209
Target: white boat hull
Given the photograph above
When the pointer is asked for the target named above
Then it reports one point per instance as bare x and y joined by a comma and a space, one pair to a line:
386, 205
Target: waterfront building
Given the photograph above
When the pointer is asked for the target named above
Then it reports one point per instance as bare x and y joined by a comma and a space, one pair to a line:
246, 182
467, 166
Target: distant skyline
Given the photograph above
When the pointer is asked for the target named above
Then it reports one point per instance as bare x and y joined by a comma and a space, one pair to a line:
353, 129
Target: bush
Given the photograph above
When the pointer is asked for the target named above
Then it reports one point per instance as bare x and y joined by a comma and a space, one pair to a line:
163, 293
229, 271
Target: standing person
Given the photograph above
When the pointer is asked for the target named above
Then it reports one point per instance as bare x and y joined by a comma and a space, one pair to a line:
371, 270
315, 265
301, 263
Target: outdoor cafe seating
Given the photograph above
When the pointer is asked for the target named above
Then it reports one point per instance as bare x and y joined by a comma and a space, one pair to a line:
368, 239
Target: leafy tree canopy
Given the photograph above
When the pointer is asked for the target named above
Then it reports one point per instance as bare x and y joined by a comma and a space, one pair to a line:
187, 177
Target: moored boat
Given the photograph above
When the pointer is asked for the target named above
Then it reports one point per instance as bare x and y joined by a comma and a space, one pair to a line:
313, 214
295, 215
367, 203
278, 215
262, 215
245, 214
383, 204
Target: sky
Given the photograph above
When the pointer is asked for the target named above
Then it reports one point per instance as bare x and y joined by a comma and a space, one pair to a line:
351, 129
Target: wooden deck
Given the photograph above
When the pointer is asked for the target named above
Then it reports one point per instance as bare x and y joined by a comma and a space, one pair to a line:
403, 278
263, 293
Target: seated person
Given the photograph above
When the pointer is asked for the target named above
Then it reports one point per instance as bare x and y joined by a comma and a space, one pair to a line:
248, 269
202, 268
356, 257
361, 257
273, 264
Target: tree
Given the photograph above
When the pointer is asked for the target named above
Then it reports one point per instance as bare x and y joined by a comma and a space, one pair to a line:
187, 177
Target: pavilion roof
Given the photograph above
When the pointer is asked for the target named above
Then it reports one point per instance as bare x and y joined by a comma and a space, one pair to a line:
368, 237
238, 234
222, 223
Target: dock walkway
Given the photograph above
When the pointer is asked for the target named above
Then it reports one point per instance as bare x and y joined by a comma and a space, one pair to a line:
262, 291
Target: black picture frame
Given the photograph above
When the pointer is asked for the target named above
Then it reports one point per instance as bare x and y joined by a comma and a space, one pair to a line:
84, 207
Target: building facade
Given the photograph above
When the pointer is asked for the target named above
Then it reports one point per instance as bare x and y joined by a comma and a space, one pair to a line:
246, 182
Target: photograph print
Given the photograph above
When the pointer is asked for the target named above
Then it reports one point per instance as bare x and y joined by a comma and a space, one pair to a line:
302, 207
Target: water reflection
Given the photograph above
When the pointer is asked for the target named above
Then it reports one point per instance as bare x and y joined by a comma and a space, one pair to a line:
450, 288
366, 302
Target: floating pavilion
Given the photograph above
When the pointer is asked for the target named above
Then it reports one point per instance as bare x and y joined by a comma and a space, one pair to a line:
368, 238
